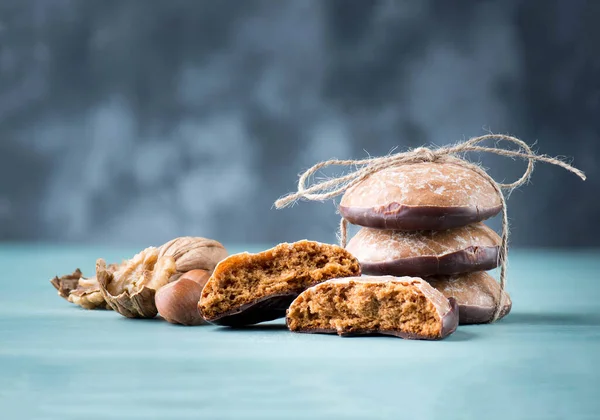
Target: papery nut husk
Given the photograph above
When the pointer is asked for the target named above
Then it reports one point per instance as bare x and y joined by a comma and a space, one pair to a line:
192, 253
65, 284
82, 291
88, 297
139, 304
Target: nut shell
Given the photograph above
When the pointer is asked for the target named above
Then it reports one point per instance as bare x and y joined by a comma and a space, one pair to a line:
67, 283
82, 291
131, 289
191, 253
88, 295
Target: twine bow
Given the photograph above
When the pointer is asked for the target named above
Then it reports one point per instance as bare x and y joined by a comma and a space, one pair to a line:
448, 154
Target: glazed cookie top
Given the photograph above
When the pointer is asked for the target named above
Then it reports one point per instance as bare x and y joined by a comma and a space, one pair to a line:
475, 289
423, 184
377, 245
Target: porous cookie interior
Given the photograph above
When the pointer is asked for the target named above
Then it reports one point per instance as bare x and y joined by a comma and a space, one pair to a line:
360, 307
286, 269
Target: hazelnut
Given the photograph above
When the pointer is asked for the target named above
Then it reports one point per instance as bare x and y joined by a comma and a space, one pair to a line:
199, 276
177, 302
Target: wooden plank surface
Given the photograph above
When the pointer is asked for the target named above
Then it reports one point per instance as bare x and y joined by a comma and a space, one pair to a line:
61, 362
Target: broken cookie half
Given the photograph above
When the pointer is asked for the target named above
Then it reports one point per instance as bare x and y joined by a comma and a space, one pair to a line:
406, 307
249, 288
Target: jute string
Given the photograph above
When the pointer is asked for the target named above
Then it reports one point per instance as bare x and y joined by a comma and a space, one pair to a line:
363, 168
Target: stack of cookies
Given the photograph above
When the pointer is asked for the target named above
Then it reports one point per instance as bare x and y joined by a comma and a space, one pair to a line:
425, 220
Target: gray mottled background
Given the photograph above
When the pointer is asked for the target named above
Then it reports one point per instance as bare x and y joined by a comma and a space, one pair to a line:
137, 121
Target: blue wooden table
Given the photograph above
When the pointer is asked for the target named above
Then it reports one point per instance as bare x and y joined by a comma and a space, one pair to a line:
61, 362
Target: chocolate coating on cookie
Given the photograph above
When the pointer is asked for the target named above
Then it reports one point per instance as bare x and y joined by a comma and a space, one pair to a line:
421, 196
426, 253
265, 309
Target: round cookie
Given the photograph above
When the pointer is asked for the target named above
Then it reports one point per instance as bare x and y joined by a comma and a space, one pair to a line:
476, 294
421, 196
426, 253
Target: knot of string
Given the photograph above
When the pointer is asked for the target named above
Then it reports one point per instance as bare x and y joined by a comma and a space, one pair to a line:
364, 168
424, 154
